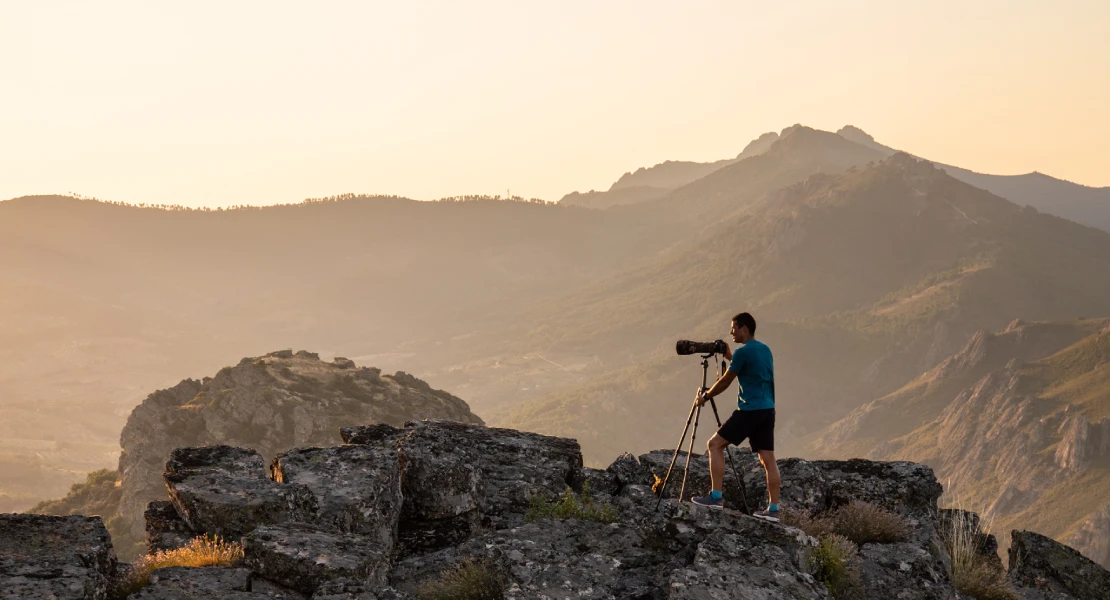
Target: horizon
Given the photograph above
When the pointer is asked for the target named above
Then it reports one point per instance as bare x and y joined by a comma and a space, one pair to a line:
146, 104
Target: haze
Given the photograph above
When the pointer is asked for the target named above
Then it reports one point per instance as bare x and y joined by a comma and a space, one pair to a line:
213, 104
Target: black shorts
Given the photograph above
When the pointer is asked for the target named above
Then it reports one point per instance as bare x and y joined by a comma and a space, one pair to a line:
758, 426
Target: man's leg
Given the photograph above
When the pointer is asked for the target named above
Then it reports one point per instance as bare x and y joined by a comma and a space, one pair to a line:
767, 457
716, 446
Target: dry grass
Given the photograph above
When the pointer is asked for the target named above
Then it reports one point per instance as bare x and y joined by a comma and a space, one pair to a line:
857, 521
571, 506
201, 552
972, 573
469, 580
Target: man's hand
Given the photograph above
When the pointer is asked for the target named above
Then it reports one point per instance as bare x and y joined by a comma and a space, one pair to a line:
700, 398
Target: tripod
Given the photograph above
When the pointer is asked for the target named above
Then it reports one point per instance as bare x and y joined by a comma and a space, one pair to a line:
695, 416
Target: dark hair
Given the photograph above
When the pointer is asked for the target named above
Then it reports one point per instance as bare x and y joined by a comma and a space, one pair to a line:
745, 319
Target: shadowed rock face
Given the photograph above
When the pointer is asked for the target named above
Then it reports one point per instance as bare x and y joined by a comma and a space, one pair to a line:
270, 404
54, 557
378, 519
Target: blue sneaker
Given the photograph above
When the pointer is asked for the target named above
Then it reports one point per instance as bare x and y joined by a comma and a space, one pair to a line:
708, 500
768, 515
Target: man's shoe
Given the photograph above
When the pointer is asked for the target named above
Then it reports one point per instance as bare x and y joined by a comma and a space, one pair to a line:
768, 515
708, 500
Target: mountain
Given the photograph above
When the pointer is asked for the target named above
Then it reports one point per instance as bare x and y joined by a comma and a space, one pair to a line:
1018, 422
654, 182
269, 403
1082, 204
859, 282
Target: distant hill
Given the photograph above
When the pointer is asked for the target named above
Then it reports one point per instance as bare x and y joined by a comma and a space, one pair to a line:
1082, 204
1018, 422
653, 182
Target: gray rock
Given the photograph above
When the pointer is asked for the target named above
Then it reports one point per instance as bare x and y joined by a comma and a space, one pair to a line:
457, 476
628, 470
1044, 564
370, 434
352, 590
343, 362
302, 557
51, 557
165, 529
222, 491
697, 478
196, 582
357, 488
905, 571
274, 590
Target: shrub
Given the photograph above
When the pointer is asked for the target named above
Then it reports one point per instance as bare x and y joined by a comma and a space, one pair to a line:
972, 573
469, 580
834, 563
201, 552
858, 521
571, 506
865, 523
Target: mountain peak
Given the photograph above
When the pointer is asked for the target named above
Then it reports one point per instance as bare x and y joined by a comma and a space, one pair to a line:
855, 134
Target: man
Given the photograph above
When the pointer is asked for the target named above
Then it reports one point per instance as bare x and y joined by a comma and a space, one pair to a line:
753, 367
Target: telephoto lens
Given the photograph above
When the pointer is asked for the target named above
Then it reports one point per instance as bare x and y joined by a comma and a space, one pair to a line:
684, 347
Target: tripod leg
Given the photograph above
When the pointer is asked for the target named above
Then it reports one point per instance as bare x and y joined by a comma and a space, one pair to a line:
736, 473
667, 477
689, 453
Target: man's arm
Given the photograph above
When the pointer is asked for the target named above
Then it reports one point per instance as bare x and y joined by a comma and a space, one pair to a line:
719, 386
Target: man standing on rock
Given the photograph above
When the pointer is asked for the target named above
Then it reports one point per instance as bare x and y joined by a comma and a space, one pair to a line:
753, 367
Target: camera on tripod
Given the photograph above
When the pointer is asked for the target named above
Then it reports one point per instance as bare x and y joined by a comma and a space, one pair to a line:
684, 347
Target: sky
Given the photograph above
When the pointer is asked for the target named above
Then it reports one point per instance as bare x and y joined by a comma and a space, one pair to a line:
226, 103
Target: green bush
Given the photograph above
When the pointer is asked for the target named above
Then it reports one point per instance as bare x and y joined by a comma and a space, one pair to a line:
835, 565
571, 506
469, 580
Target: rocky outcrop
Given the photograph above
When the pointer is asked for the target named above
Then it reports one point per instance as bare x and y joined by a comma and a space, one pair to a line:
382, 517
270, 404
1044, 564
56, 558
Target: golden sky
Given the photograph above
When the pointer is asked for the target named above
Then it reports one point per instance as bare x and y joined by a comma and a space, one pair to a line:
219, 103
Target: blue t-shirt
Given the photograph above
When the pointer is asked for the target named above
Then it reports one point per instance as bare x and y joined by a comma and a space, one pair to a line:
755, 372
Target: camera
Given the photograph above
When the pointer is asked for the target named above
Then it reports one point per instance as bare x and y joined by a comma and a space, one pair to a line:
684, 347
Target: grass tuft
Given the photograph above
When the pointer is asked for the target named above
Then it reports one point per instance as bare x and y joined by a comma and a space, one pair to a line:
204, 551
835, 564
972, 573
860, 522
571, 506
469, 580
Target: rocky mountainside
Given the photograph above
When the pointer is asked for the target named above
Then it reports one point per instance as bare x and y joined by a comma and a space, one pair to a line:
390, 512
269, 403
1018, 422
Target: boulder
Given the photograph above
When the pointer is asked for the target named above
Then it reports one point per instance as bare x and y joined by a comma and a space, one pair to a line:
907, 571
165, 529
302, 557
357, 488
173, 583
1044, 564
222, 491
370, 434
697, 478
55, 558
458, 476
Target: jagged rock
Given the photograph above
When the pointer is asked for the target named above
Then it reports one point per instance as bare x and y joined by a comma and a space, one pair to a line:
628, 470
274, 591
457, 476
165, 529
907, 571
302, 557
55, 558
343, 363
985, 544
357, 488
1044, 564
603, 482
343, 589
221, 490
271, 404
174, 583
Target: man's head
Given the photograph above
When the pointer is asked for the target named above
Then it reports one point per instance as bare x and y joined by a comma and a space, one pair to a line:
743, 328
